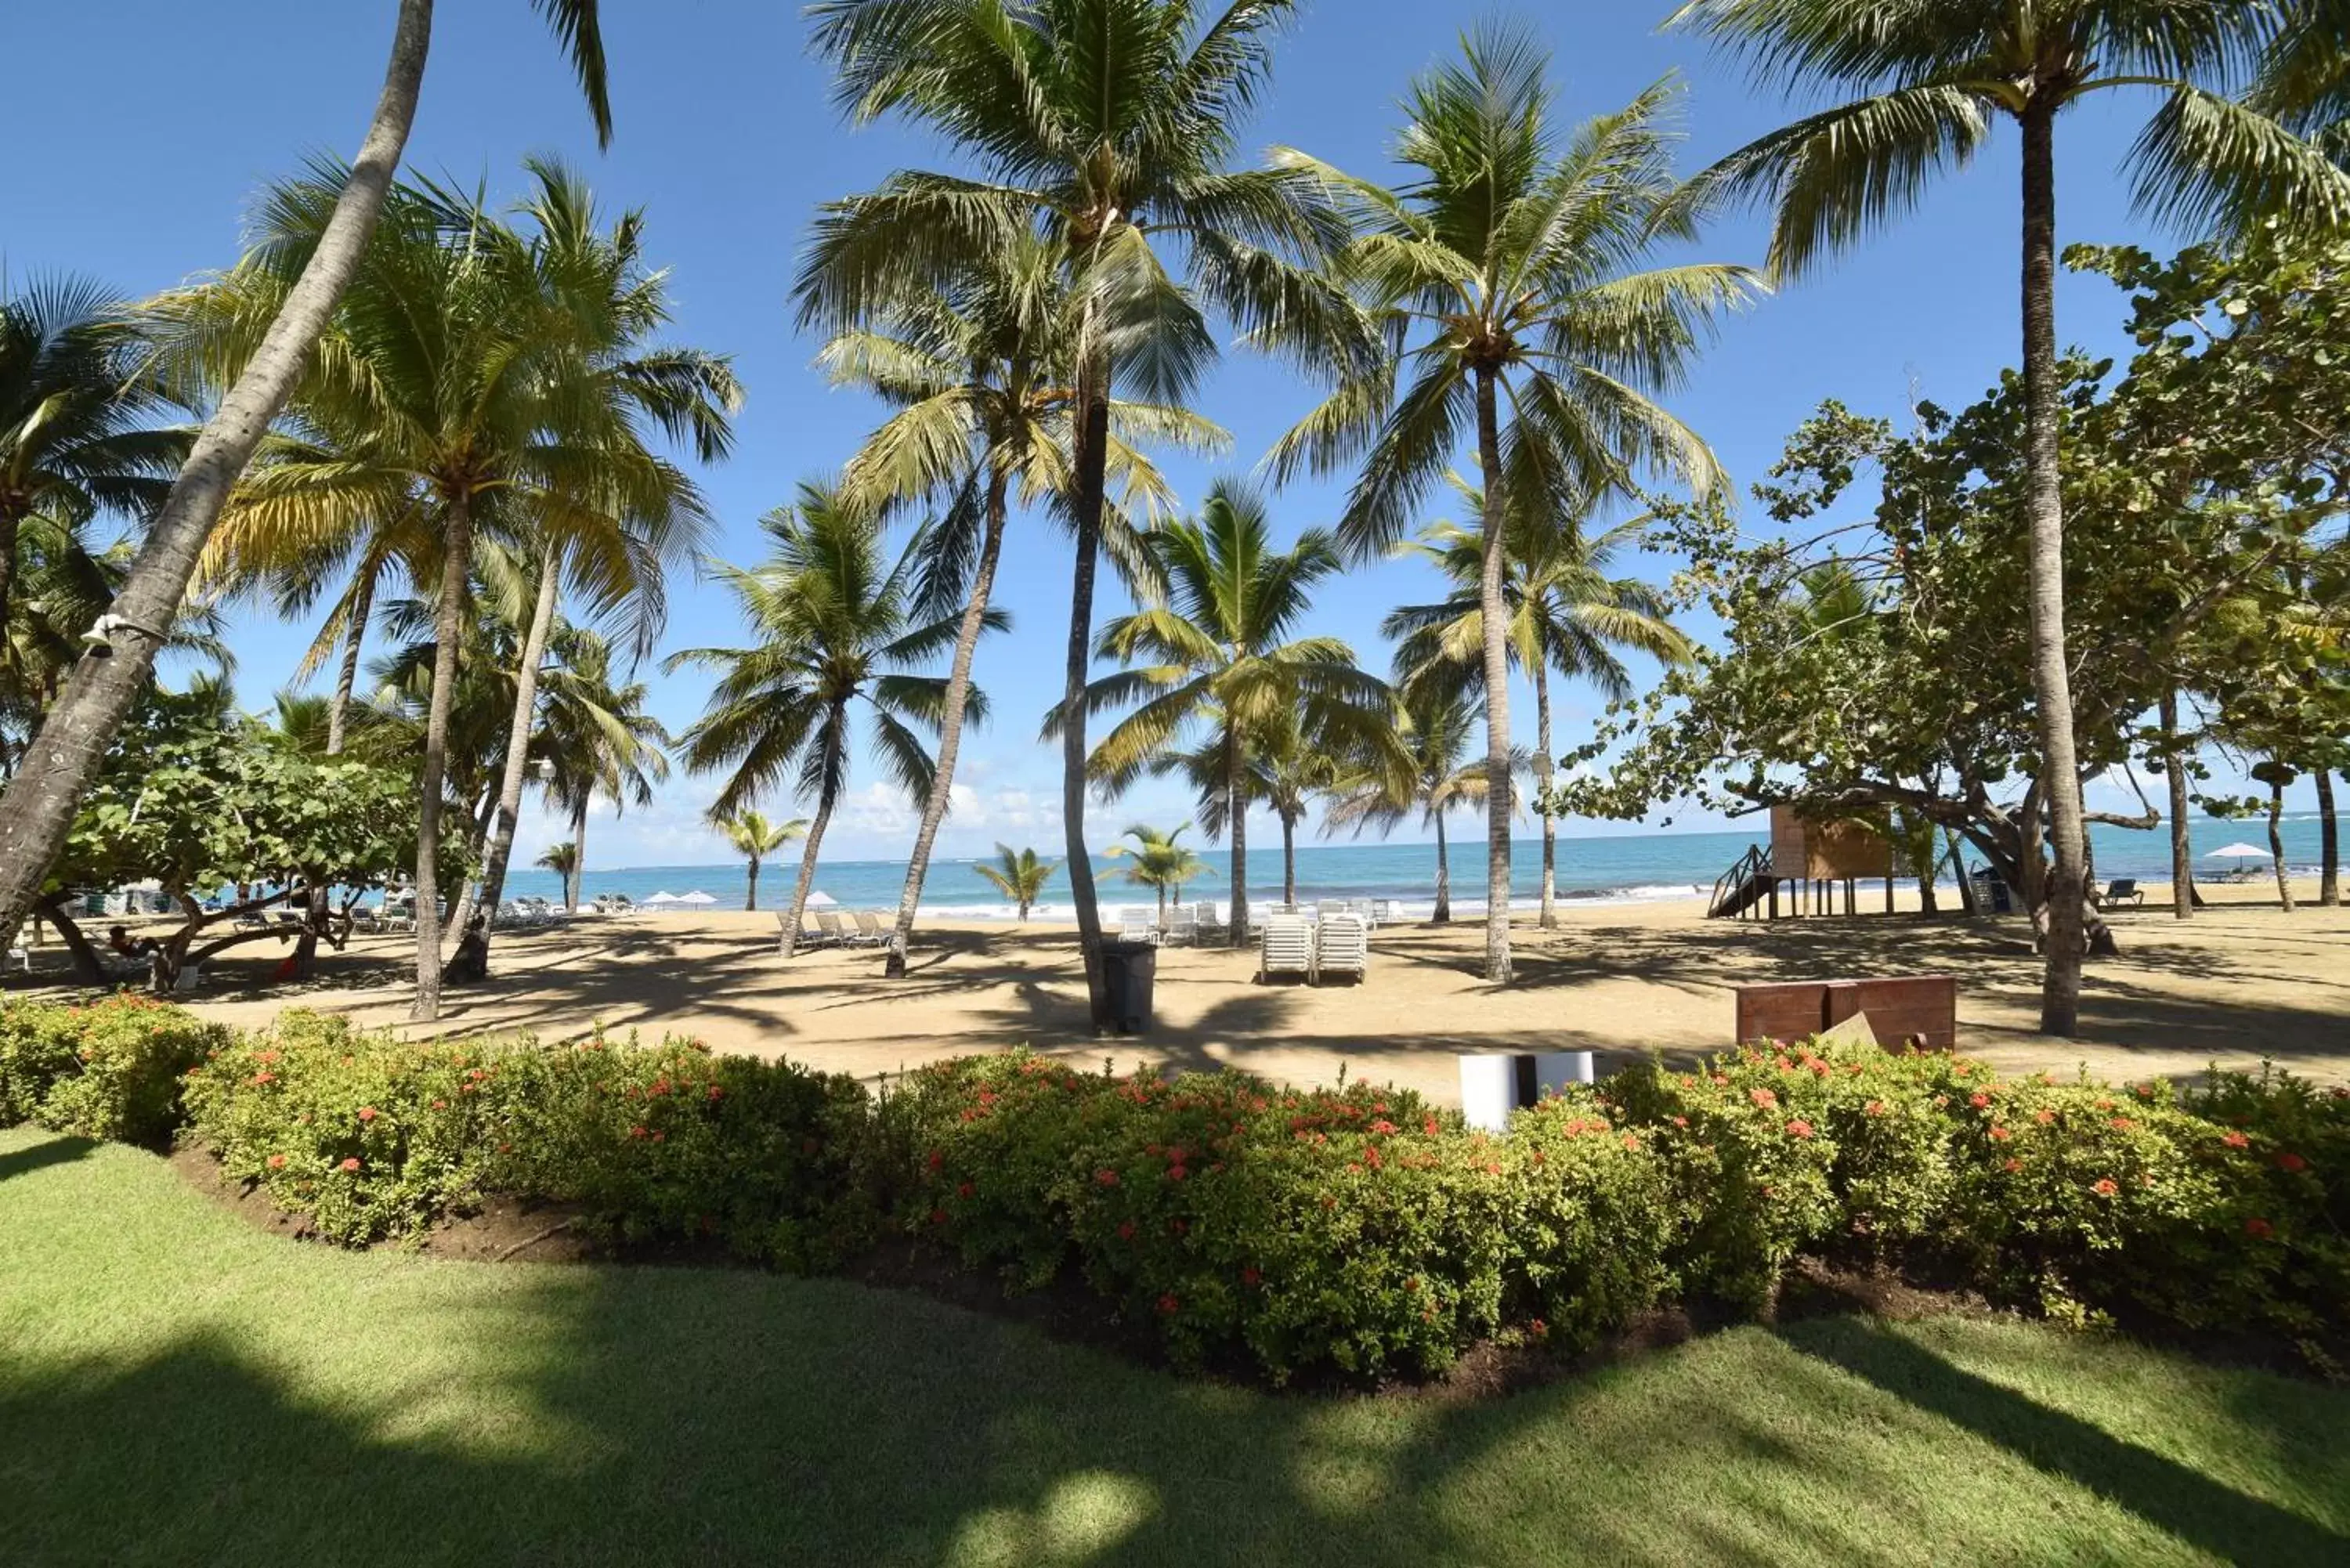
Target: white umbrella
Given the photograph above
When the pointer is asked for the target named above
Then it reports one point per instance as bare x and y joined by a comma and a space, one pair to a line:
820, 900
2237, 853
663, 896
697, 896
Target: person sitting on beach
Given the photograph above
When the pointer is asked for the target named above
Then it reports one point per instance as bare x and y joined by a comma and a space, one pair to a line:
120, 939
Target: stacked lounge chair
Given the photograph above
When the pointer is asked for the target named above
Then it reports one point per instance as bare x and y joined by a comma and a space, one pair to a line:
1285, 946
1342, 945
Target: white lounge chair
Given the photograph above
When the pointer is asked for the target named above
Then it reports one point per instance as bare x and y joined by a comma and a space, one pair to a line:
1342, 945
1285, 946
1361, 910
1386, 912
870, 932
1205, 927
1329, 906
22, 956
834, 936
1134, 926
807, 939
1185, 931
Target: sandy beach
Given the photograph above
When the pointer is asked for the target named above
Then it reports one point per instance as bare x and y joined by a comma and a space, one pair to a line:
2240, 982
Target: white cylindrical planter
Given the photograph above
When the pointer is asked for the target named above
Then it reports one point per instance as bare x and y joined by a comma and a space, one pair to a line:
1557, 1071
1489, 1091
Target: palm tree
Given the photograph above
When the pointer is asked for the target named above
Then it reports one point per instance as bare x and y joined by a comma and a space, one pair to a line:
1287, 768
754, 838
836, 626
980, 371
1567, 614
1160, 862
1505, 270
38, 811
1436, 725
1019, 876
76, 429
1212, 666
1103, 126
1933, 78
502, 382
563, 859
595, 739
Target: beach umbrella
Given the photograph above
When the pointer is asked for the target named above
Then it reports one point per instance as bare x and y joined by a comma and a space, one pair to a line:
820, 900
2239, 853
696, 897
663, 896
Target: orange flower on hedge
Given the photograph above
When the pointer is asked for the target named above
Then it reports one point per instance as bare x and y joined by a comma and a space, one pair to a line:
1167, 1305
1979, 1100
964, 1190
2000, 1135
440, 1105
276, 1162
352, 1163
2044, 1117
1249, 1276
2291, 1162
367, 1113
1429, 1126
1875, 1107
2012, 1164
1799, 1128
2104, 1187
2236, 1140
1762, 1098
2123, 1124
2258, 1227
1126, 1232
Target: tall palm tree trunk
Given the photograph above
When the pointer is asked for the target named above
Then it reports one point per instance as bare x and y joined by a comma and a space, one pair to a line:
38, 809
453, 570
2276, 843
1443, 876
1495, 609
1959, 869
806, 880
11, 518
517, 766
347, 675
1288, 860
575, 883
2182, 844
2060, 772
934, 809
2329, 843
1092, 490
1236, 808
750, 898
1542, 783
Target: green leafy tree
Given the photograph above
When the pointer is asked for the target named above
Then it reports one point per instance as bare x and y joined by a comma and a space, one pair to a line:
198, 800
754, 838
38, 811
1566, 616
1019, 876
1212, 664
1107, 129
1161, 862
563, 859
595, 740
836, 628
1933, 78
1506, 271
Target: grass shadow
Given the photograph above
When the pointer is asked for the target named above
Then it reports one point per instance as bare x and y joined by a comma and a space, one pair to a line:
50, 1151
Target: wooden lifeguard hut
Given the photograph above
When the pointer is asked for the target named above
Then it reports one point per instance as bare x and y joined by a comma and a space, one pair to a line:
1808, 864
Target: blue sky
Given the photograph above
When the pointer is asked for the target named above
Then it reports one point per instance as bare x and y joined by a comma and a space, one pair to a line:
725, 135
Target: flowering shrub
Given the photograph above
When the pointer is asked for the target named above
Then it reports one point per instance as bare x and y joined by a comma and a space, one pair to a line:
1354, 1230
113, 1069
374, 1137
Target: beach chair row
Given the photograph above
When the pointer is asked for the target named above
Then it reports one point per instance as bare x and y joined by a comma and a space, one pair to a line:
870, 930
1199, 923
1333, 945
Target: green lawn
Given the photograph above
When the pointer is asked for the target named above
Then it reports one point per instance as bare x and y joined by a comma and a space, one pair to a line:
175, 1388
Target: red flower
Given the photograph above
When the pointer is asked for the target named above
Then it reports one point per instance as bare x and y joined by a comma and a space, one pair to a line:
1762, 1098
260, 1078
1106, 1176
2258, 1227
660, 1137
2123, 1124
2104, 1104
1979, 1100
1681, 1121
352, 1163
2000, 1134
440, 1105
366, 1113
965, 1191
640, 1130
1630, 1141
1429, 1126
1167, 1305
2044, 1117
2291, 1162
2104, 1187
2012, 1164
1383, 1126
938, 1216
716, 1092
933, 1160
1539, 1329
2236, 1140
1126, 1232
276, 1162
1799, 1128
1249, 1276
1875, 1107
1492, 1170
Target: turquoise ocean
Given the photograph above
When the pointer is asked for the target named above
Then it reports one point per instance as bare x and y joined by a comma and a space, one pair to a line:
1622, 869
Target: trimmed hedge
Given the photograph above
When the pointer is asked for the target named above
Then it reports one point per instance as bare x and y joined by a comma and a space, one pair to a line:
1356, 1232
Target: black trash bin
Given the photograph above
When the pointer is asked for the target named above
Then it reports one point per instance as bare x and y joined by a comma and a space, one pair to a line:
1129, 969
